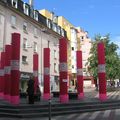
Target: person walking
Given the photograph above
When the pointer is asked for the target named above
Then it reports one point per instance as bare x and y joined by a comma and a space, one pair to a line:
30, 91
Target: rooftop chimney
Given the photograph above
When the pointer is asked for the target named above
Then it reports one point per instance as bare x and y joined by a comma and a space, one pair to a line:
31, 3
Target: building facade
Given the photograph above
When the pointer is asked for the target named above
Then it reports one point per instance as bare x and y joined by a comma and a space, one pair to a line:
85, 46
72, 43
36, 32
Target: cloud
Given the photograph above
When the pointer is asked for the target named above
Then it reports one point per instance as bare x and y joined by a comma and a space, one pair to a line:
116, 40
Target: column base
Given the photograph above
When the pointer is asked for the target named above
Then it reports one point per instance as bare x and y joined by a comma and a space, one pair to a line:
103, 97
15, 100
46, 96
64, 98
80, 96
1, 95
7, 97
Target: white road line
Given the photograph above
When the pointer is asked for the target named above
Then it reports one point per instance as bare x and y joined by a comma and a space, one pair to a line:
70, 116
94, 115
117, 112
106, 113
81, 116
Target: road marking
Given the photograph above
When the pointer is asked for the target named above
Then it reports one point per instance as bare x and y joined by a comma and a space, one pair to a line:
94, 115
81, 116
106, 113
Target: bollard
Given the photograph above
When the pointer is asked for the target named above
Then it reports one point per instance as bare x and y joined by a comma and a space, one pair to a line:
49, 109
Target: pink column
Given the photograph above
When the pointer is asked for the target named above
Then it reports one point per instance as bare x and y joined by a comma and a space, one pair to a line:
15, 73
63, 70
79, 75
46, 94
7, 68
2, 60
35, 71
101, 72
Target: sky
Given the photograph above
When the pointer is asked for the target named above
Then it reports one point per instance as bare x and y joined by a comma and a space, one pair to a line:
95, 16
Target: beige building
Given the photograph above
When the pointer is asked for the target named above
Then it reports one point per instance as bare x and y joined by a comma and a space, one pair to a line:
85, 46
36, 34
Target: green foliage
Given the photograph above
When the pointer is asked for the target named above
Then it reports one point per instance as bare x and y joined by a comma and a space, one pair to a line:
111, 57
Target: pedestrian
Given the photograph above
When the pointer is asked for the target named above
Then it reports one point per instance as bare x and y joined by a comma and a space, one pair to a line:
38, 93
30, 91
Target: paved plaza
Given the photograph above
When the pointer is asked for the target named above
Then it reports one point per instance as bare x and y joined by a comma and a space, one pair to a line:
90, 95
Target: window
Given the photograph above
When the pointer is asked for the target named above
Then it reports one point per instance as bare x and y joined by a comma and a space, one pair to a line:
48, 23
72, 48
35, 47
36, 15
14, 3
0, 18
55, 69
13, 21
26, 9
73, 66
58, 30
24, 59
55, 54
54, 27
25, 26
25, 43
82, 38
35, 32
62, 32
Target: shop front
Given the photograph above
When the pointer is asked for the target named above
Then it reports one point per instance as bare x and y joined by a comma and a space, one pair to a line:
24, 77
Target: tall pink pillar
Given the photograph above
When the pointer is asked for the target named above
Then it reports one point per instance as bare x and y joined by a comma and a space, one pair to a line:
101, 72
2, 61
63, 70
46, 93
15, 72
79, 75
7, 68
35, 71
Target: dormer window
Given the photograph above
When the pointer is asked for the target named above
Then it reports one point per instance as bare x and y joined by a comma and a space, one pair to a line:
48, 23
62, 32
26, 9
36, 15
54, 27
14, 3
59, 30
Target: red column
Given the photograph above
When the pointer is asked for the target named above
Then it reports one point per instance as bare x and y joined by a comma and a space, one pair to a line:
63, 70
15, 73
35, 71
2, 60
101, 72
79, 75
46, 94
7, 68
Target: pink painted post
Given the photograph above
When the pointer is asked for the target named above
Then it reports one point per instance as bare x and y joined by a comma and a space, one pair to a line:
79, 75
7, 68
15, 72
46, 93
35, 71
2, 62
101, 72
63, 70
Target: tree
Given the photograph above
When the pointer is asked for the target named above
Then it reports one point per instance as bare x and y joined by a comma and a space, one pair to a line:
111, 57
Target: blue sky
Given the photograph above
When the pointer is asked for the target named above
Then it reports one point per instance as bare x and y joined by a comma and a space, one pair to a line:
94, 16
